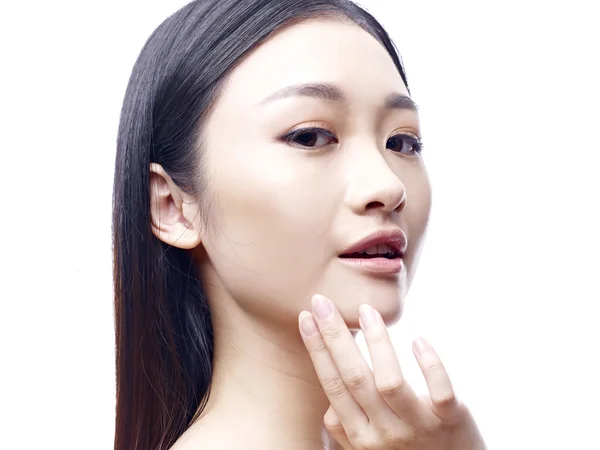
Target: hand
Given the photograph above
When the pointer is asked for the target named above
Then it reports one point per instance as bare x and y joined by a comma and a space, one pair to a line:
378, 409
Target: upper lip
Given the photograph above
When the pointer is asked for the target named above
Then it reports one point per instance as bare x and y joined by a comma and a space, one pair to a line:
395, 239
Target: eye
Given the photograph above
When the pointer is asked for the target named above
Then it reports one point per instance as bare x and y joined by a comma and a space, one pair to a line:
404, 143
310, 137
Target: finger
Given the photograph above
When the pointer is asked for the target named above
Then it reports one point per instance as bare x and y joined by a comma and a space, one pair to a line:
354, 370
349, 411
443, 400
335, 428
389, 381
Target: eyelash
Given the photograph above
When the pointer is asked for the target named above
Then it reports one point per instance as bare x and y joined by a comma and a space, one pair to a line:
417, 145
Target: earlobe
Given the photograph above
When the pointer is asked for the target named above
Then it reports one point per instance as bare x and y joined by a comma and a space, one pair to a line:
173, 218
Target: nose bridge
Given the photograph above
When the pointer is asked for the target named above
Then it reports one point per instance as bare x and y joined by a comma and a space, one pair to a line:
372, 180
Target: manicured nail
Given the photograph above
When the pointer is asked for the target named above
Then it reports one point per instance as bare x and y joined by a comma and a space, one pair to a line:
421, 346
322, 307
307, 323
367, 316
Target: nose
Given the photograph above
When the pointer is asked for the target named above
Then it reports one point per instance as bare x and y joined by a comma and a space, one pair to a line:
374, 185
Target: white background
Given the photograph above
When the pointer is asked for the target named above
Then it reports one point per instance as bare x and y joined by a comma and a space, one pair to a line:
507, 288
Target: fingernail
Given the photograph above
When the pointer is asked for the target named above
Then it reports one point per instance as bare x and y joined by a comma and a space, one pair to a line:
367, 316
322, 307
421, 346
307, 323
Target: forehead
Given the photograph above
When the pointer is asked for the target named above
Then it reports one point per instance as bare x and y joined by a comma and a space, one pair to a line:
315, 51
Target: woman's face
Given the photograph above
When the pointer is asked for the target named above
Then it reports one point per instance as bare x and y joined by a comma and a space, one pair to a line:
281, 213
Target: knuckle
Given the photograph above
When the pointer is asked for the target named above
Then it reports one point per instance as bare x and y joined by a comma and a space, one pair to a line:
354, 378
318, 346
394, 439
335, 429
334, 386
391, 388
433, 365
331, 332
332, 424
362, 442
445, 400
377, 336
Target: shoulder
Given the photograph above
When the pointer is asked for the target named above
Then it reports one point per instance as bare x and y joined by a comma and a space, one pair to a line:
214, 436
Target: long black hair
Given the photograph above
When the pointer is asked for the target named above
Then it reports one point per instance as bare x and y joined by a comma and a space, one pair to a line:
164, 339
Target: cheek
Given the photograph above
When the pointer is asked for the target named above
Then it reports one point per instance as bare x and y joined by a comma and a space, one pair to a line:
269, 223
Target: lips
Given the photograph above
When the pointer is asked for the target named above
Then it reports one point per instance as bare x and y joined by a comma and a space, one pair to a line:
388, 244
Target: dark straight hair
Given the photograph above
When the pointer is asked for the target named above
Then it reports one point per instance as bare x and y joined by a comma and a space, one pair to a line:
163, 328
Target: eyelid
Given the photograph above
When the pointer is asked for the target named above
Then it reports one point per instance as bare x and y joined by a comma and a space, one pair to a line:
289, 136
308, 130
417, 136
313, 126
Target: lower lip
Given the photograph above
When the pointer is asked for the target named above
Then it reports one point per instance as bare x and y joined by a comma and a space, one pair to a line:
376, 265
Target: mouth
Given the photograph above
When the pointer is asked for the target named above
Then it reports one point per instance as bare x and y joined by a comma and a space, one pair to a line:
375, 251
380, 252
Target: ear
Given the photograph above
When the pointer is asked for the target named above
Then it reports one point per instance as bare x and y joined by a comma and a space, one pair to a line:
175, 215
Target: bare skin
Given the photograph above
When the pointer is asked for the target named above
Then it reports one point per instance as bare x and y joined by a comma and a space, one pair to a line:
281, 214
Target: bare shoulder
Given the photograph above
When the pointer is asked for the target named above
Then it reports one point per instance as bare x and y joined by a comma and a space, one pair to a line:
214, 435
197, 437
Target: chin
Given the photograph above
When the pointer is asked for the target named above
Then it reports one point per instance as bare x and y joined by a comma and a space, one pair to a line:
384, 295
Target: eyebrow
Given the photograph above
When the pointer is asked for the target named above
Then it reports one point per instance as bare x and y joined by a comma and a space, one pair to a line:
331, 92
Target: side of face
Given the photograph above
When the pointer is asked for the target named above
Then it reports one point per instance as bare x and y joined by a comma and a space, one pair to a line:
282, 212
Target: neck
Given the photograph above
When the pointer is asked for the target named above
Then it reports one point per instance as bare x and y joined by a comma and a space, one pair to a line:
264, 385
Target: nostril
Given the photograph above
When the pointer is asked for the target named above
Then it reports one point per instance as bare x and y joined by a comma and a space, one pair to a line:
372, 205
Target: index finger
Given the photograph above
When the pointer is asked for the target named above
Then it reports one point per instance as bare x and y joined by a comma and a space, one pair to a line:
347, 409
390, 382
346, 355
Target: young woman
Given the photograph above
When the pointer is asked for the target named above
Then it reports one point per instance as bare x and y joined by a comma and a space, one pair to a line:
271, 200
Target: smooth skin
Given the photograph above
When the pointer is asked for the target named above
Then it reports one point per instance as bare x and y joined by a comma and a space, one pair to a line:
291, 182
378, 409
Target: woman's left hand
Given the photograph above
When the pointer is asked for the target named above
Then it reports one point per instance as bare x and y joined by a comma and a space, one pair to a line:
378, 409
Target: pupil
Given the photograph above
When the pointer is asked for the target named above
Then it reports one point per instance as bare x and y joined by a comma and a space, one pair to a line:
308, 142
